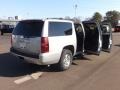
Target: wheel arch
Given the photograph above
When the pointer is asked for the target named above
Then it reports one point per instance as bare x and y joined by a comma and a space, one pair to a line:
71, 48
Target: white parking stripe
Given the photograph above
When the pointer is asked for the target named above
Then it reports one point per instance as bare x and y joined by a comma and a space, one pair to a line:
28, 77
36, 75
22, 80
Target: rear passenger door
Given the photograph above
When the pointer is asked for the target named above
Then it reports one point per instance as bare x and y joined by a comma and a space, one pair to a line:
80, 35
93, 38
106, 38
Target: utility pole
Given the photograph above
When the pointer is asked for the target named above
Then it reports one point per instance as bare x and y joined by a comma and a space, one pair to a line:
76, 6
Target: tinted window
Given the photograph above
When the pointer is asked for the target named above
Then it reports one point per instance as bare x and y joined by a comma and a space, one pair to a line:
29, 28
60, 28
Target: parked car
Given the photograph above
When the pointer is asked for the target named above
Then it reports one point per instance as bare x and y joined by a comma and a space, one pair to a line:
55, 42
117, 29
6, 28
45, 42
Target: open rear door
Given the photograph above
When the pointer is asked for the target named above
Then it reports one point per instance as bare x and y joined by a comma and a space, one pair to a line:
106, 37
93, 37
80, 35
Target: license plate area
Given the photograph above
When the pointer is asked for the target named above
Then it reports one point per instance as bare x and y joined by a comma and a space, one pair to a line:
22, 45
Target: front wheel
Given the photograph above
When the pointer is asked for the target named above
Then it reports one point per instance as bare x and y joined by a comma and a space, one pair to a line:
65, 60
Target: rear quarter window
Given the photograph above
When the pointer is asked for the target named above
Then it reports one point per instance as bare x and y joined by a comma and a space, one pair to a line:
60, 28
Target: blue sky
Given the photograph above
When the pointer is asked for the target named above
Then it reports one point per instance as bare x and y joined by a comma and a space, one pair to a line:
55, 8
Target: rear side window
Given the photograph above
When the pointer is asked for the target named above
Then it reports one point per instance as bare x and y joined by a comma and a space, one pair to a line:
60, 28
29, 28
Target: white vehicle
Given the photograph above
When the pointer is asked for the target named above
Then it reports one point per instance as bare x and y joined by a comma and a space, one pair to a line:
45, 42
52, 42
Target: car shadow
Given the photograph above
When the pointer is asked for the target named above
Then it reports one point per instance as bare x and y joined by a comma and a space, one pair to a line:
81, 58
11, 66
118, 45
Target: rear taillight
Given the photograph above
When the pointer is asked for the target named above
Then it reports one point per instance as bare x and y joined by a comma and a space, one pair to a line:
44, 45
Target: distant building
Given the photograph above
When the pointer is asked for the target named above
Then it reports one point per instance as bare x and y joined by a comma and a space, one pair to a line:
8, 22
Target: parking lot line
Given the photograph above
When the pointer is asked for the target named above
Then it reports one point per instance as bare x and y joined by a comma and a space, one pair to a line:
36, 75
22, 80
28, 77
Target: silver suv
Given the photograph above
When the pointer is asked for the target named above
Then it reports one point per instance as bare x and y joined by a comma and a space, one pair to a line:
48, 42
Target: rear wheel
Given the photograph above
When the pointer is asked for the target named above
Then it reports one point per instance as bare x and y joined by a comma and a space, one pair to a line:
65, 60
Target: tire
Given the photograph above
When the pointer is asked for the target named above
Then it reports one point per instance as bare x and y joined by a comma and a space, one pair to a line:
65, 60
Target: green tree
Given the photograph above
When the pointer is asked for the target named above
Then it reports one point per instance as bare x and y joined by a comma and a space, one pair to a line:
113, 17
97, 17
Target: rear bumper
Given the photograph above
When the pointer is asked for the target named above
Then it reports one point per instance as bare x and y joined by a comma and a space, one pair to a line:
17, 52
28, 59
42, 59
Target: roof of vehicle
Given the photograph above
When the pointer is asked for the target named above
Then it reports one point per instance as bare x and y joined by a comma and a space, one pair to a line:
31, 20
48, 19
59, 20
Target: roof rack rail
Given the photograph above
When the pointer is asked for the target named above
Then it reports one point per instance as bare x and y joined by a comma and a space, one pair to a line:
57, 18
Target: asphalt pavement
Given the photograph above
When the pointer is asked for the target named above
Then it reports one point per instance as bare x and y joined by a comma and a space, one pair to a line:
88, 73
